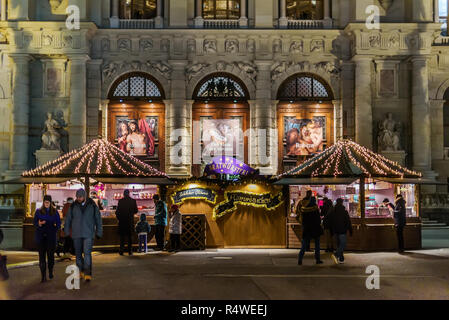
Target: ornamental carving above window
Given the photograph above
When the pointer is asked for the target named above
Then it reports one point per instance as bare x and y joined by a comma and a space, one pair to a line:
304, 87
220, 87
136, 86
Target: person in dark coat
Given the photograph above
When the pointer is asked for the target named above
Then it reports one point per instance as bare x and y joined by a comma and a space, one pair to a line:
311, 229
400, 221
339, 224
143, 229
126, 209
160, 219
47, 223
83, 221
325, 210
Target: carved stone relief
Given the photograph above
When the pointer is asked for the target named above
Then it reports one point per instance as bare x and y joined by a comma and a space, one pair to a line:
232, 46
210, 46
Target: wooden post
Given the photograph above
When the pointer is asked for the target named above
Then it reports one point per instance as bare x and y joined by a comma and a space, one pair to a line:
418, 200
28, 212
87, 186
362, 199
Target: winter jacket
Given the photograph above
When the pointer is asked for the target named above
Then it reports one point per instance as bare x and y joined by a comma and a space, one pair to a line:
47, 230
310, 220
126, 209
160, 217
84, 220
143, 226
400, 213
175, 222
339, 220
325, 210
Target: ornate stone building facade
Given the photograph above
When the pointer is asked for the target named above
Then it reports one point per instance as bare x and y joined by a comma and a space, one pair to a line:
385, 88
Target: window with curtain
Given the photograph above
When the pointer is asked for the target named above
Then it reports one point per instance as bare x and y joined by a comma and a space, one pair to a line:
443, 6
305, 9
138, 9
221, 9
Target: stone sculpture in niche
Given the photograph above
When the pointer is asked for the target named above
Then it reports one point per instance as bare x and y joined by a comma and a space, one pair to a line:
389, 137
210, 46
296, 47
51, 138
232, 46
251, 46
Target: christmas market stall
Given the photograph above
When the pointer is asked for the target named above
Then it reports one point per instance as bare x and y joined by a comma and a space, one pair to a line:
105, 172
363, 179
237, 208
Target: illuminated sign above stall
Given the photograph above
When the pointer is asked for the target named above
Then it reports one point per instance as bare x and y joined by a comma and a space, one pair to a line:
228, 165
258, 200
194, 194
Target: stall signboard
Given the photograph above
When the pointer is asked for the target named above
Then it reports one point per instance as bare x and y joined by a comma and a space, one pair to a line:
180, 196
258, 200
228, 165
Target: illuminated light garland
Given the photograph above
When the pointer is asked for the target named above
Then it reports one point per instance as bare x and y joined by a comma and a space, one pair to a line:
99, 157
335, 161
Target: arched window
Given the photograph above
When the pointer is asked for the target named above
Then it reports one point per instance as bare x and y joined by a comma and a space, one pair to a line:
221, 9
305, 9
220, 87
304, 87
137, 9
136, 86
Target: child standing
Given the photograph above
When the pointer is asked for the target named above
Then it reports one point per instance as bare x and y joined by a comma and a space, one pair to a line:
143, 229
175, 228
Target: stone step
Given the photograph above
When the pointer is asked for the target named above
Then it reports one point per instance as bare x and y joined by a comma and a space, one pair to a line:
429, 221
435, 228
436, 224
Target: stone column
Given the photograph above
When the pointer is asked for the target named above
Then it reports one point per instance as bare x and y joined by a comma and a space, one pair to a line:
93, 98
3, 10
78, 111
437, 128
159, 20
19, 138
338, 120
199, 21
243, 21
283, 21
421, 126
436, 11
114, 20
327, 14
263, 136
363, 102
178, 120
104, 104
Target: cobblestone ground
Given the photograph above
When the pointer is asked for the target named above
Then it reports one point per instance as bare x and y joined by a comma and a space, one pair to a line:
243, 274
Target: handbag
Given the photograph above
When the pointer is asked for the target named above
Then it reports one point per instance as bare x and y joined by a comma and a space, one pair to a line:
3, 269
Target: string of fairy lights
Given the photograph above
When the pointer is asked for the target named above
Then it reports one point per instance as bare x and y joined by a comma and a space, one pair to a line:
99, 157
335, 160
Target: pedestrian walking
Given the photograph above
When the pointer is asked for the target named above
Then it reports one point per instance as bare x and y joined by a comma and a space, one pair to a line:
126, 209
311, 228
68, 247
3, 262
143, 229
47, 223
84, 221
325, 210
160, 219
400, 221
339, 224
303, 203
175, 228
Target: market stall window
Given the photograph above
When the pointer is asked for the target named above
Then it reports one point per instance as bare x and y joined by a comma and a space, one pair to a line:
375, 193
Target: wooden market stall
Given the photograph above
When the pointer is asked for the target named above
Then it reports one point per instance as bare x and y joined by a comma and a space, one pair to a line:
240, 210
98, 166
363, 179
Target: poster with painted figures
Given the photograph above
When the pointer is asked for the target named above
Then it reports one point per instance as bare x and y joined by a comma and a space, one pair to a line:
304, 136
137, 136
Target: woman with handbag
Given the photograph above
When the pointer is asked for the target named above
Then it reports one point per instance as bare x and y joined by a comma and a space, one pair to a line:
47, 223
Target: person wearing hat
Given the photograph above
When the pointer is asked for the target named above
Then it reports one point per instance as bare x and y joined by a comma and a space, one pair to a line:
175, 228
126, 209
84, 219
47, 223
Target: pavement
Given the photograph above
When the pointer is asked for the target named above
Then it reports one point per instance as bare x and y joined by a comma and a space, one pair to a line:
242, 274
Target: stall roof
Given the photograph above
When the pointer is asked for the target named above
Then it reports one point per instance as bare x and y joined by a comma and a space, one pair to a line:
412, 181
347, 159
99, 160
315, 181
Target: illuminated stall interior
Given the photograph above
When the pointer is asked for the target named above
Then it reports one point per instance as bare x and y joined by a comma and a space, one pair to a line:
305, 119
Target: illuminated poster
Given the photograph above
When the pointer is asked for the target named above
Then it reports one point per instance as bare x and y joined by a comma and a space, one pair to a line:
221, 137
304, 136
137, 137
